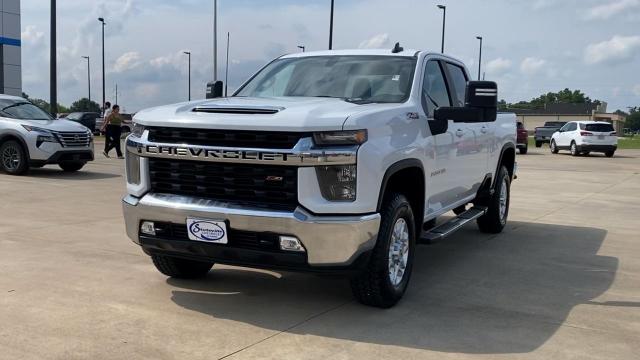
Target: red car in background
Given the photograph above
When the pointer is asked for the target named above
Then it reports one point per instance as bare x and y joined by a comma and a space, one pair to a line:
523, 138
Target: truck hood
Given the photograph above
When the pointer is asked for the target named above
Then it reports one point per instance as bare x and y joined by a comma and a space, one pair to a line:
55, 125
261, 114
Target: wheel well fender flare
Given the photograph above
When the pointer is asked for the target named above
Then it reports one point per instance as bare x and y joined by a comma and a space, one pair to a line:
394, 169
19, 139
501, 159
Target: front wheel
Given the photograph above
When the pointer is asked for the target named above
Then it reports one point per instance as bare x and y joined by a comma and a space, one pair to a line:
14, 159
609, 154
71, 166
494, 221
553, 147
181, 268
384, 281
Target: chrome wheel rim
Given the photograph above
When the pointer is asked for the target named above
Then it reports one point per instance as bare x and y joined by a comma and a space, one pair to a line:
553, 146
573, 149
10, 158
398, 252
503, 200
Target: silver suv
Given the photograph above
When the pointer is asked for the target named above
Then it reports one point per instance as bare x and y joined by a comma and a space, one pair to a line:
29, 137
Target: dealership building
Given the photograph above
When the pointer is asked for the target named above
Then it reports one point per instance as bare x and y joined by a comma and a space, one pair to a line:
10, 48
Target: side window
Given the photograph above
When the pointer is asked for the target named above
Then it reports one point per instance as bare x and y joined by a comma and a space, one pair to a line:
459, 80
434, 89
565, 127
573, 126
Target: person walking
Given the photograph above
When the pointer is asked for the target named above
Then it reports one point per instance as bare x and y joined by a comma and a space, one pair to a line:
113, 131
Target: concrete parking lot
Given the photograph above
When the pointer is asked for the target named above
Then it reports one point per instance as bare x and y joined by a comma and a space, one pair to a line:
563, 281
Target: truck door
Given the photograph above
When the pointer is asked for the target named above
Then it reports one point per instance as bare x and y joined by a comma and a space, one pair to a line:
445, 180
473, 152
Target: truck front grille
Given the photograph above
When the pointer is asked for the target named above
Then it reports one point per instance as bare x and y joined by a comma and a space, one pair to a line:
226, 138
265, 186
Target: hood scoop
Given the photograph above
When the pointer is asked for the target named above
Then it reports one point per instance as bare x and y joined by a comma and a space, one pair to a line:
234, 109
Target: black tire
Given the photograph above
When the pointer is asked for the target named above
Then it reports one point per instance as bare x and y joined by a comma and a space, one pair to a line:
13, 158
538, 144
609, 154
71, 166
494, 221
573, 148
373, 286
524, 150
586, 153
553, 147
460, 209
181, 268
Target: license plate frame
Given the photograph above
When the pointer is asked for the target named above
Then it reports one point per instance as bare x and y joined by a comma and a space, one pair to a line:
209, 231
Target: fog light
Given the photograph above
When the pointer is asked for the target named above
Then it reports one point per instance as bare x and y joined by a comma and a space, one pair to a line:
290, 243
148, 227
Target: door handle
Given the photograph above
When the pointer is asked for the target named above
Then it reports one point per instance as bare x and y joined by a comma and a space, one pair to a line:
483, 130
459, 133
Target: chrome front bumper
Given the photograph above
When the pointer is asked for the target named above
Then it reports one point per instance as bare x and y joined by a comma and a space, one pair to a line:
328, 240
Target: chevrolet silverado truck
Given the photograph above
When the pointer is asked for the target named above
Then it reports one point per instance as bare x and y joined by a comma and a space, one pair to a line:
325, 162
544, 133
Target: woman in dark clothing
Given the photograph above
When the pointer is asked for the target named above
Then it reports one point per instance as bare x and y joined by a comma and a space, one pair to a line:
112, 130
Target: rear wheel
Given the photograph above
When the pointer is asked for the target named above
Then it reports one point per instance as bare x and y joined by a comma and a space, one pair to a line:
574, 149
586, 153
523, 150
495, 219
385, 279
538, 144
553, 147
181, 268
609, 154
71, 166
13, 158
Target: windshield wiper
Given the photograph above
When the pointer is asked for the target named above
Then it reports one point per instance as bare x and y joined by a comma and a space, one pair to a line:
360, 101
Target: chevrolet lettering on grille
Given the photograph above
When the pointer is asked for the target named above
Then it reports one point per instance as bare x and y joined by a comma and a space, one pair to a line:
201, 153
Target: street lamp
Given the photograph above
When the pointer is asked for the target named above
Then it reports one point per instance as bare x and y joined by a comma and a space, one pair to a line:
188, 53
88, 74
215, 40
480, 57
104, 100
301, 47
331, 27
444, 21
53, 85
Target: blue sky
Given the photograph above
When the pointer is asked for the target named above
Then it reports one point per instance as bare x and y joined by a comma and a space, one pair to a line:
531, 46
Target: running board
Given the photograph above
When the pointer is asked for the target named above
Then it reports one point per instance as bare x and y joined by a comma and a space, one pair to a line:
453, 225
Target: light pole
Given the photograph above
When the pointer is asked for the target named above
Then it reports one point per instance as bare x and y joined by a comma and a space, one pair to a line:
104, 99
226, 71
444, 22
331, 27
215, 40
88, 74
301, 47
188, 53
53, 89
480, 57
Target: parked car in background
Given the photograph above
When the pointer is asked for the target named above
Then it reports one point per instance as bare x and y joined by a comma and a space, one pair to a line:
522, 138
543, 133
88, 119
30, 137
126, 123
584, 137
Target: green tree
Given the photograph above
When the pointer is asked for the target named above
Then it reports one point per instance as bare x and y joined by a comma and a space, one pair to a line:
44, 105
85, 105
565, 96
633, 120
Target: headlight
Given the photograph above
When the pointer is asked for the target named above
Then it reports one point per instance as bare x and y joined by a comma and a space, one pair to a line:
337, 183
44, 135
350, 137
137, 130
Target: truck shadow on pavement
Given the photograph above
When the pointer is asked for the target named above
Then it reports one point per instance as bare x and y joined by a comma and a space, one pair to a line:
53, 173
472, 293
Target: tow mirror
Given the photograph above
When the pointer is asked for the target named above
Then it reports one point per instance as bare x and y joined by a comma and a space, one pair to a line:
214, 89
482, 94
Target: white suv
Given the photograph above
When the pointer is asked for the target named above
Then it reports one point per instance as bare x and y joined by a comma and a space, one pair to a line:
584, 137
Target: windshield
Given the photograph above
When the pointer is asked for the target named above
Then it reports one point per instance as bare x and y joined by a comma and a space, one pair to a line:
364, 79
22, 110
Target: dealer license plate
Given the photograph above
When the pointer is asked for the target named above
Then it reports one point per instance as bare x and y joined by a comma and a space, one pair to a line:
600, 137
210, 231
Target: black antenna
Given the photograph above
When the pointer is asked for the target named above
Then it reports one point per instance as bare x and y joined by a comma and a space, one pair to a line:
397, 48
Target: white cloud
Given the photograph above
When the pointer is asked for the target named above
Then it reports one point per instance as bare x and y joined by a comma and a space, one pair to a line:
127, 61
617, 50
32, 36
498, 66
376, 42
532, 65
636, 90
607, 11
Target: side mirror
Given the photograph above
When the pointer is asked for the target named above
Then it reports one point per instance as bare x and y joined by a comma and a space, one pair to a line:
482, 94
214, 89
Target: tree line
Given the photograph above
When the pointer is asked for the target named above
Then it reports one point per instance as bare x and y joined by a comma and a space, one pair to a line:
81, 105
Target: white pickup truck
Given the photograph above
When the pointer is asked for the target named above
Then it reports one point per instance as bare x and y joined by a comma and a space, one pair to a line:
328, 162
